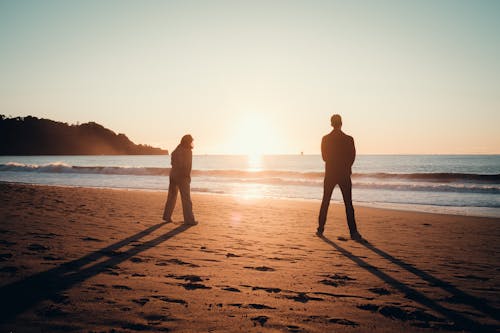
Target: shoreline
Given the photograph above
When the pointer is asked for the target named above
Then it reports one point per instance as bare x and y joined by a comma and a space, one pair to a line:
416, 208
107, 262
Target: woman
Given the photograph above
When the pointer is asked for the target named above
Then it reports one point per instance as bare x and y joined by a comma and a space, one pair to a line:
180, 180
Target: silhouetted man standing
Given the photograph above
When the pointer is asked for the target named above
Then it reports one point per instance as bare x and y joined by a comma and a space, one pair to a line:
338, 152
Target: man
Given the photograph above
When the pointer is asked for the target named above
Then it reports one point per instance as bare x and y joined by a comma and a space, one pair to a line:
338, 152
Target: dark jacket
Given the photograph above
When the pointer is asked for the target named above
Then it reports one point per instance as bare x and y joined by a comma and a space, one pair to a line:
338, 152
181, 160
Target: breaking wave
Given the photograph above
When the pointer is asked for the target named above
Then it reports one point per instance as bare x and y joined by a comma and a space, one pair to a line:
432, 182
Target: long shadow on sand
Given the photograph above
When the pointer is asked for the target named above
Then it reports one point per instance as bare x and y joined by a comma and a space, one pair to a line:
460, 321
19, 296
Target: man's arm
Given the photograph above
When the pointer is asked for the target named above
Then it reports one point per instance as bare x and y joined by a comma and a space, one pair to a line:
323, 149
352, 156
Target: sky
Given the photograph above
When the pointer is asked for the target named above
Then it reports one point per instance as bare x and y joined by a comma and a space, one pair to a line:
261, 77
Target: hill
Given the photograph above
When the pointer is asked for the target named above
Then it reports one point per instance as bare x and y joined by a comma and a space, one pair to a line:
34, 136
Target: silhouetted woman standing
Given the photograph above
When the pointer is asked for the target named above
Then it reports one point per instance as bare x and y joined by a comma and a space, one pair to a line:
180, 180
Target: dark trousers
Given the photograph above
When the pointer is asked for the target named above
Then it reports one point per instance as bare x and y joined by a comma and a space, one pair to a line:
182, 185
346, 189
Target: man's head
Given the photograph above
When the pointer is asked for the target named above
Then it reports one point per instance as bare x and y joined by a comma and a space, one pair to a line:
336, 121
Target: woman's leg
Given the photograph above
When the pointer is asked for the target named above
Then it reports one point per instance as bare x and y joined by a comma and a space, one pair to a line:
171, 199
187, 206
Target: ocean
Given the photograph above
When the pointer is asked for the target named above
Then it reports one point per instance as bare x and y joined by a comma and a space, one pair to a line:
450, 184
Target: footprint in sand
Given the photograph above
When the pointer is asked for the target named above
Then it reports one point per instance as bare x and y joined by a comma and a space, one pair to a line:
138, 275
121, 287
261, 268
141, 301
170, 300
380, 291
190, 278
194, 286
5, 256
294, 328
259, 319
269, 290
252, 306
158, 318
90, 239
368, 307
37, 248
43, 236
51, 312
341, 321
259, 306
111, 271
398, 313
176, 262
9, 270
6, 243
136, 260
304, 298
52, 258
136, 327
472, 277
336, 280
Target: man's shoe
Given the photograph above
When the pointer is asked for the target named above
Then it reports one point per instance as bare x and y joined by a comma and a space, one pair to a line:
319, 232
167, 220
191, 222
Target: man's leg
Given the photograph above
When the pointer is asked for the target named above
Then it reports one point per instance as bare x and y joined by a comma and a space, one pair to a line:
328, 186
346, 188
171, 199
187, 206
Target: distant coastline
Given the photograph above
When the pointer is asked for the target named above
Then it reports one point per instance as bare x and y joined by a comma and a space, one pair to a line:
37, 136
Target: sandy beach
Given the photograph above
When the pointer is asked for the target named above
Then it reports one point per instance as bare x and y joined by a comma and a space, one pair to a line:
102, 260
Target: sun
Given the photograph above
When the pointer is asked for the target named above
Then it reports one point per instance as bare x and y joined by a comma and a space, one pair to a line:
254, 136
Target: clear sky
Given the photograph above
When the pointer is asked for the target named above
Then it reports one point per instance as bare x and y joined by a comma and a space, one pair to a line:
260, 76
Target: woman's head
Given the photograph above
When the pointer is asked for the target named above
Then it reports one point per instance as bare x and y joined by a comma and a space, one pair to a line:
187, 141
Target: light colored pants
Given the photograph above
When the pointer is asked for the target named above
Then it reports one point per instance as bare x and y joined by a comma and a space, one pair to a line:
184, 186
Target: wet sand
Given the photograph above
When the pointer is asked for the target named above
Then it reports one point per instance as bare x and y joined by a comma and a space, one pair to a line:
80, 259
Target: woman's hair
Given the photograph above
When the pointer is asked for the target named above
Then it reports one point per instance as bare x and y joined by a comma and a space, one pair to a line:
187, 141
